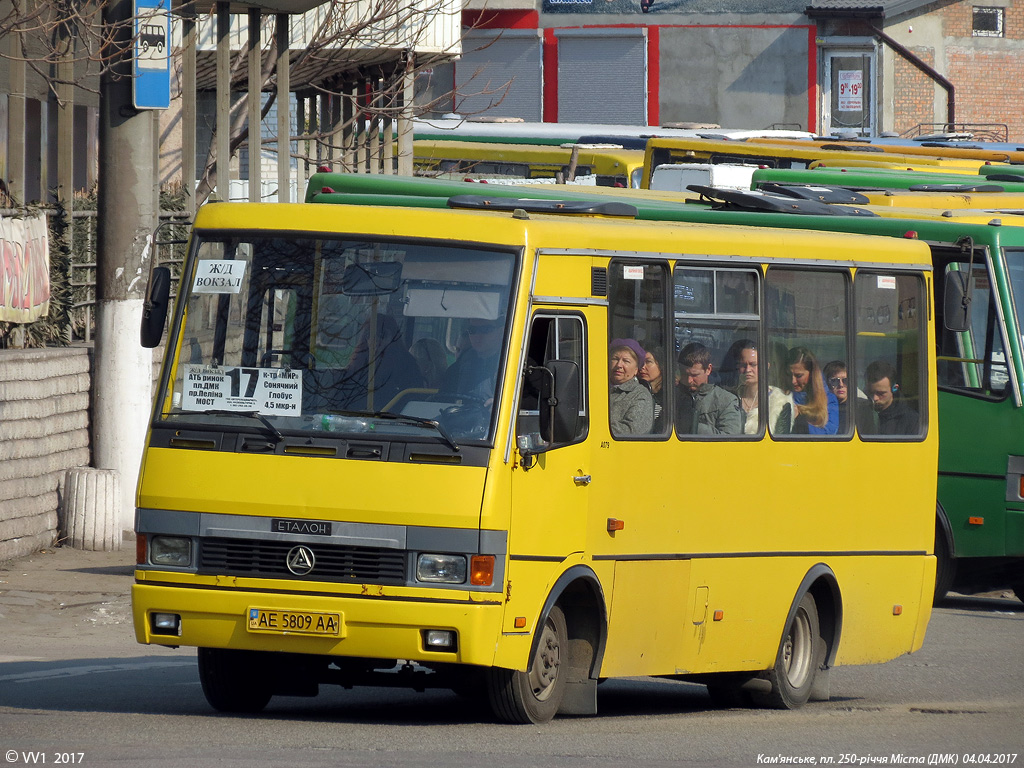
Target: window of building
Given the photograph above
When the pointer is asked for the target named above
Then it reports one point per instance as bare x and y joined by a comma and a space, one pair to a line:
987, 22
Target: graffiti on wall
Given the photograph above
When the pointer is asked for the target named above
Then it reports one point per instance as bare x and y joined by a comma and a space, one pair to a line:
24, 269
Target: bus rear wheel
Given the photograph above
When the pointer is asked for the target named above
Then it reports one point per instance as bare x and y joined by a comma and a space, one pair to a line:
233, 681
534, 696
801, 653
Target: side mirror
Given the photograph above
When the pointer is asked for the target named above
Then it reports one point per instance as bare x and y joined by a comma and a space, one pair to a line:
154, 310
956, 302
559, 402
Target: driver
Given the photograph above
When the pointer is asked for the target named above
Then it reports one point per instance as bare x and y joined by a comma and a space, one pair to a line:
475, 372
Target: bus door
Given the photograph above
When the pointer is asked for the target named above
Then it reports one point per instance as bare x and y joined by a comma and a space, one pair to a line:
551, 495
977, 407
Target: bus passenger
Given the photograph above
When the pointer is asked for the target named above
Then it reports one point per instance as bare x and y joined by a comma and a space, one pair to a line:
815, 408
858, 408
895, 417
474, 373
743, 354
650, 374
630, 405
704, 408
430, 356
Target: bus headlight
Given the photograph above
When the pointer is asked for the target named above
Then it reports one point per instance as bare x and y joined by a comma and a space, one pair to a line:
450, 569
170, 550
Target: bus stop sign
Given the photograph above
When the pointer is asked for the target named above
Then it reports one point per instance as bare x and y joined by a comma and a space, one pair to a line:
151, 59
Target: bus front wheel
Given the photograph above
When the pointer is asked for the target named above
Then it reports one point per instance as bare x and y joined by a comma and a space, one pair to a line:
801, 653
232, 680
535, 695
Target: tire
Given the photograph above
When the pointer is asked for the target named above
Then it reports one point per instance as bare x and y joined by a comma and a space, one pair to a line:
534, 696
800, 655
232, 680
945, 567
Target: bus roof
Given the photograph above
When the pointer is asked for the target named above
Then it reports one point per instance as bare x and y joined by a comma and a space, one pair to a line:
418, 192
1005, 153
774, 155
552, 224
861, 178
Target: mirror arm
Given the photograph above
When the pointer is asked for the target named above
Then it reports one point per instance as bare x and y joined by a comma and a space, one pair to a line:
551, 401
967, 249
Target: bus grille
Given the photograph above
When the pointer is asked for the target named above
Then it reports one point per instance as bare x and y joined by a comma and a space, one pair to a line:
253, 557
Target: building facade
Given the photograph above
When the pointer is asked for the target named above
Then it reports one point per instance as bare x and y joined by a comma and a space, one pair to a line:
835, 65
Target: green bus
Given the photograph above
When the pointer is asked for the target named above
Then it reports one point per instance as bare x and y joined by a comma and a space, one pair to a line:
864, 178
977, 286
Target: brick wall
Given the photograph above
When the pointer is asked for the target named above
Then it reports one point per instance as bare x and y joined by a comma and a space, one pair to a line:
989, 87
987, 72
914, 92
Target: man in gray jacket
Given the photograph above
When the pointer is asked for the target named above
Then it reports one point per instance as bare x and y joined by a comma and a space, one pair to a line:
704, 408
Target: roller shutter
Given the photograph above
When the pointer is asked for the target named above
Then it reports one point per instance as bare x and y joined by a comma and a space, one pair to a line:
602, 76
511, 55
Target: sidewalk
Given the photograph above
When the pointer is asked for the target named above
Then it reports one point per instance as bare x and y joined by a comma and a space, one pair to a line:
57, 600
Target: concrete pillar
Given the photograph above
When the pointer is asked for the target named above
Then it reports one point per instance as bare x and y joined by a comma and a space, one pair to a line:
15, 120
126, 219
188, 108
253, 102
284, 109
223, 145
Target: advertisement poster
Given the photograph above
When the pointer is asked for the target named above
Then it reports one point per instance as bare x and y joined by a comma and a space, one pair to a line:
851, 90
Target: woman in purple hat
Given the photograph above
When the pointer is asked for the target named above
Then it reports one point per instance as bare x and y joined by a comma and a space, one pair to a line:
630, 408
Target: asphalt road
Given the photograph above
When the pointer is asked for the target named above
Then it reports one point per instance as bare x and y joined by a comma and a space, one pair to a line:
75, 689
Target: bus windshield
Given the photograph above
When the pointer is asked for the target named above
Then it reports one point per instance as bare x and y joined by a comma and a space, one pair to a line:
1015, 270
285, 333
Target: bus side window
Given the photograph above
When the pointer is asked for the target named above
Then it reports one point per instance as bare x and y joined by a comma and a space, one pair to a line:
716, 331
552, 337
974, 359
889, 382
638, 316
806, 317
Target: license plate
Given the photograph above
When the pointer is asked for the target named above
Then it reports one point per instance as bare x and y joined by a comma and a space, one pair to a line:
294, 622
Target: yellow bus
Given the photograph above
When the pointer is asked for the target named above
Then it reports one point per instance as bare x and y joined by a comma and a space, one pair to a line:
911, 163
785, 155
398, 446
608, 164
985, 151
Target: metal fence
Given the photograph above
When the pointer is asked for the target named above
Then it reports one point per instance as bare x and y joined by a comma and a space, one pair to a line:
81, 244
168, 251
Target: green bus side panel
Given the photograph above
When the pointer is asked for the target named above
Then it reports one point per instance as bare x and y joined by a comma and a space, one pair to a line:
975, 438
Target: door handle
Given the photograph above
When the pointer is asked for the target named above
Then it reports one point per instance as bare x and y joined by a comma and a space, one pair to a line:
581, 479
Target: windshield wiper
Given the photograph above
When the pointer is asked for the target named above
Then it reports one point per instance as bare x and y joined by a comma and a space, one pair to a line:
419, 420
248, 414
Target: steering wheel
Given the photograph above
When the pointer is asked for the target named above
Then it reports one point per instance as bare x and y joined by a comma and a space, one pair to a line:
469, 418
